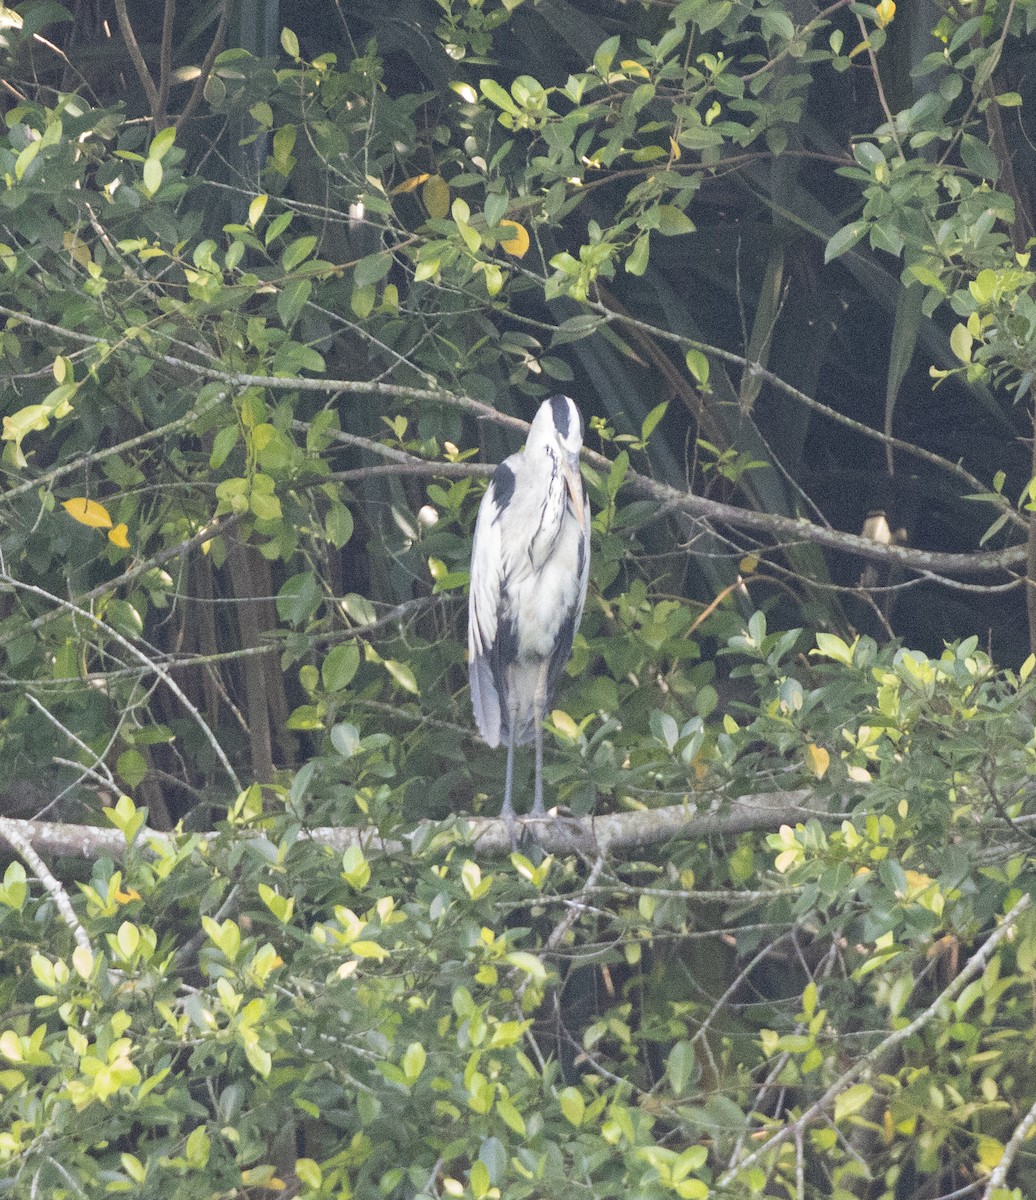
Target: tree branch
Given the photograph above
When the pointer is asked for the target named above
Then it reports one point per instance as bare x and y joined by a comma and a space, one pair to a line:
785, 529
206, 67
15, 834
137, 58
556, 835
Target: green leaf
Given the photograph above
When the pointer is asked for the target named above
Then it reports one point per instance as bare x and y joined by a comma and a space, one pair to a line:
673, 221
979, 157
636, 263
281, 906
289, 43
961, 342
710, 16
511, 1117
339, 666
698, 365
162, 142
372, 269
647, 426
338, 525
292, 298
362, 301
605, 55
833, 647
573, 1106
152, 175
681, 1066
414, 1060
297, 252
852, 1100
844, 240
403, 675
222, 444
131, 768
299, 598
495, 94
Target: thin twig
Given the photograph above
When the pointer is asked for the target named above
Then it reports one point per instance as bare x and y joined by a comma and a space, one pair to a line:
165, 65
206, 67
137, 58
864, 1065
11, 832
141, 657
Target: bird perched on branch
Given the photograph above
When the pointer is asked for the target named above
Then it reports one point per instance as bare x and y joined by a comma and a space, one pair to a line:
529, 566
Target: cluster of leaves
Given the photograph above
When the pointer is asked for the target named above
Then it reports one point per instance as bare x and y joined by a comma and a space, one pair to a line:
254, 1010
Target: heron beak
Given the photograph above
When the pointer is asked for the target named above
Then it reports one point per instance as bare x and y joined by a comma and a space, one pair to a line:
570, 469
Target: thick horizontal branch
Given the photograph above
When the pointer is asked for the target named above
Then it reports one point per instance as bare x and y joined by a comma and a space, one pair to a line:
556, 835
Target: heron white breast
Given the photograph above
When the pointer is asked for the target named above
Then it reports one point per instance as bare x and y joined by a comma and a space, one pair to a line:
542, 599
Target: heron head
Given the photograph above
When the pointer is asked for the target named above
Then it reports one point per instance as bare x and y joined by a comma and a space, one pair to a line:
558, 428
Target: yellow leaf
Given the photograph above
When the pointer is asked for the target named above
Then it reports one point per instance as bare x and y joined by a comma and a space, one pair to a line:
117, 536
79, 250
10, 1046
518, 244
990, 1152
818, 760
564, 724
674, 148
885, 11
87, 512
408, 185
749, 564
632, 67
436, 196
785, 860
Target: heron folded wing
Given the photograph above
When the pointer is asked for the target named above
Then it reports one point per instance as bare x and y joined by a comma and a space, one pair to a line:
485, 701
484, 604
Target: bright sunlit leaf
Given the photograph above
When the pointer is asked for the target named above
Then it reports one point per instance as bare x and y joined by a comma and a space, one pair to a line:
518, 244
436, 196
119, 536
88, 512
408, 185
817, 760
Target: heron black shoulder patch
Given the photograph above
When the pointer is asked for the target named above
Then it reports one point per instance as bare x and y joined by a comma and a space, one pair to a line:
559, 406
503, 486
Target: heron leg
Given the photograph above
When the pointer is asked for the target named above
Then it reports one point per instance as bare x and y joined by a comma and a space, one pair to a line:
507, 811
538, 809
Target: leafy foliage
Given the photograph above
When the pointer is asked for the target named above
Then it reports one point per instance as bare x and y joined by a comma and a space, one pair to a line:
425, 1021
264, 305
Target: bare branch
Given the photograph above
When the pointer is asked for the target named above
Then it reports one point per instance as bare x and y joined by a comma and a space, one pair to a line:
596, 836
14, 833
137, 58
206, 67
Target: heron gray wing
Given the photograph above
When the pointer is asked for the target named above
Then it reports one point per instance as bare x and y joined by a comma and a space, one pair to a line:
484, 600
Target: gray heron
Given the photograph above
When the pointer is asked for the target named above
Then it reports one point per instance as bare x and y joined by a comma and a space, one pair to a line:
529, 565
